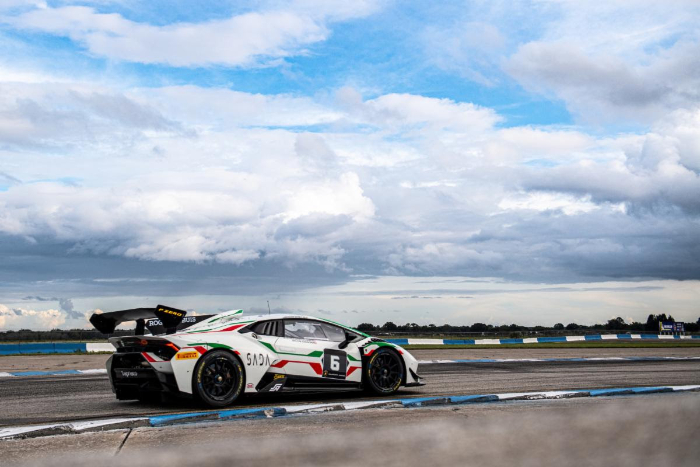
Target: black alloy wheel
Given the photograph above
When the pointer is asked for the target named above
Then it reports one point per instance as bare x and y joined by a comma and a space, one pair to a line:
384, 372
218, 378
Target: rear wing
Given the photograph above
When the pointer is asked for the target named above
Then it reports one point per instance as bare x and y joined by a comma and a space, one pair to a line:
169, 317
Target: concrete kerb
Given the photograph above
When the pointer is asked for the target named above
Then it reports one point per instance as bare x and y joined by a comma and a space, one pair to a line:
273, 412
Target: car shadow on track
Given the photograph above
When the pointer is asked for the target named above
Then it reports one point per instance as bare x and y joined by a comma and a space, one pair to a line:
177, 404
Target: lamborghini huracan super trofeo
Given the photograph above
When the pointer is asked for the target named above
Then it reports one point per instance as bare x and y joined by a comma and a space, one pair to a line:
219, 357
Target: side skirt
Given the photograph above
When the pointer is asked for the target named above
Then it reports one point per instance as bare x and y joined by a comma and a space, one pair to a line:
272, 382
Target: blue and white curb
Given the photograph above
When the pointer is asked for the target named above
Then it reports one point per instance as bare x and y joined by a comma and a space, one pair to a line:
94, 347
578, 359
538, 340
96, 371
55, 348
272, 412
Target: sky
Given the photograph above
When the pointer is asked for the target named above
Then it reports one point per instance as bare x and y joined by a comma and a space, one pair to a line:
529, 162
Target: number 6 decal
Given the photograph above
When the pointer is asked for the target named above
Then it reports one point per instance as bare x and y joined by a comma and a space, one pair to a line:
335, 363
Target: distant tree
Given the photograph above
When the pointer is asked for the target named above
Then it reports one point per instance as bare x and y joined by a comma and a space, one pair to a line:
389, 326
558, 326
365, 327
572, 326
652, 324
479, 327
615, 323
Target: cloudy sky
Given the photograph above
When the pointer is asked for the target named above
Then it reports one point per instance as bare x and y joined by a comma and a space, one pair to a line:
432, 162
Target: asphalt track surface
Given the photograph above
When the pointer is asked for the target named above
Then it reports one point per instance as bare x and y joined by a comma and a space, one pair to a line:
33, 400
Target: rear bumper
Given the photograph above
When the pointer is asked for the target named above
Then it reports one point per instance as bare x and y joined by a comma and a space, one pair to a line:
133, 378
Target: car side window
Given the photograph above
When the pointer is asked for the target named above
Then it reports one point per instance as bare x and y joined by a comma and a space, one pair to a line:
303, 329
334, 333
268, 328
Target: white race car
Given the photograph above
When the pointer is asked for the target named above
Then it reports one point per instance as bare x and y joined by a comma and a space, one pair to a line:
220, 357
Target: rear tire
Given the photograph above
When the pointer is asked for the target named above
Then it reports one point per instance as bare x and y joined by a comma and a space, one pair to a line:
383, 372
218, 378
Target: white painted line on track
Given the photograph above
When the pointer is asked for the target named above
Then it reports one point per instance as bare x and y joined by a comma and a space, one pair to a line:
95, 371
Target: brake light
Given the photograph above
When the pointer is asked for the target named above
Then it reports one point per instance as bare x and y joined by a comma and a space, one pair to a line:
173, 346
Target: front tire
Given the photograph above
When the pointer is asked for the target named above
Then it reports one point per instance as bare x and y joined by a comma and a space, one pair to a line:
384, 372
218, 378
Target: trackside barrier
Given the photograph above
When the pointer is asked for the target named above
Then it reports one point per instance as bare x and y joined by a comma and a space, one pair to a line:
535, 340
91, 347
55, 348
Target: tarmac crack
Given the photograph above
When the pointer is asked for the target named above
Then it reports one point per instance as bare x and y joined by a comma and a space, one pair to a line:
128, 433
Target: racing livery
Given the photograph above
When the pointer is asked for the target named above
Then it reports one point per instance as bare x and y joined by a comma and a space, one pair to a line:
217, 358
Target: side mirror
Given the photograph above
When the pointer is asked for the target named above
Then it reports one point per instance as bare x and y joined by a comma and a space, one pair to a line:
348, 338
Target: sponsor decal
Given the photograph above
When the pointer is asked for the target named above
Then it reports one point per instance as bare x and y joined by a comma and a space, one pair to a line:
304, 341
249, 385
278, 376
186, 355
129, 374
257, 359
276, 387
156, 322
170, 312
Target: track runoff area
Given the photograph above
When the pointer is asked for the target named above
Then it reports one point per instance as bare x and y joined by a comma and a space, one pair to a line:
64, 404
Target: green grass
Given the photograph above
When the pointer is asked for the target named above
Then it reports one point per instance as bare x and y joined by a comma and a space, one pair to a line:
566, 345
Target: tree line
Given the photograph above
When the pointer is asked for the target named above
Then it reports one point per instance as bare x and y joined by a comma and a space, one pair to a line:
616, 324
